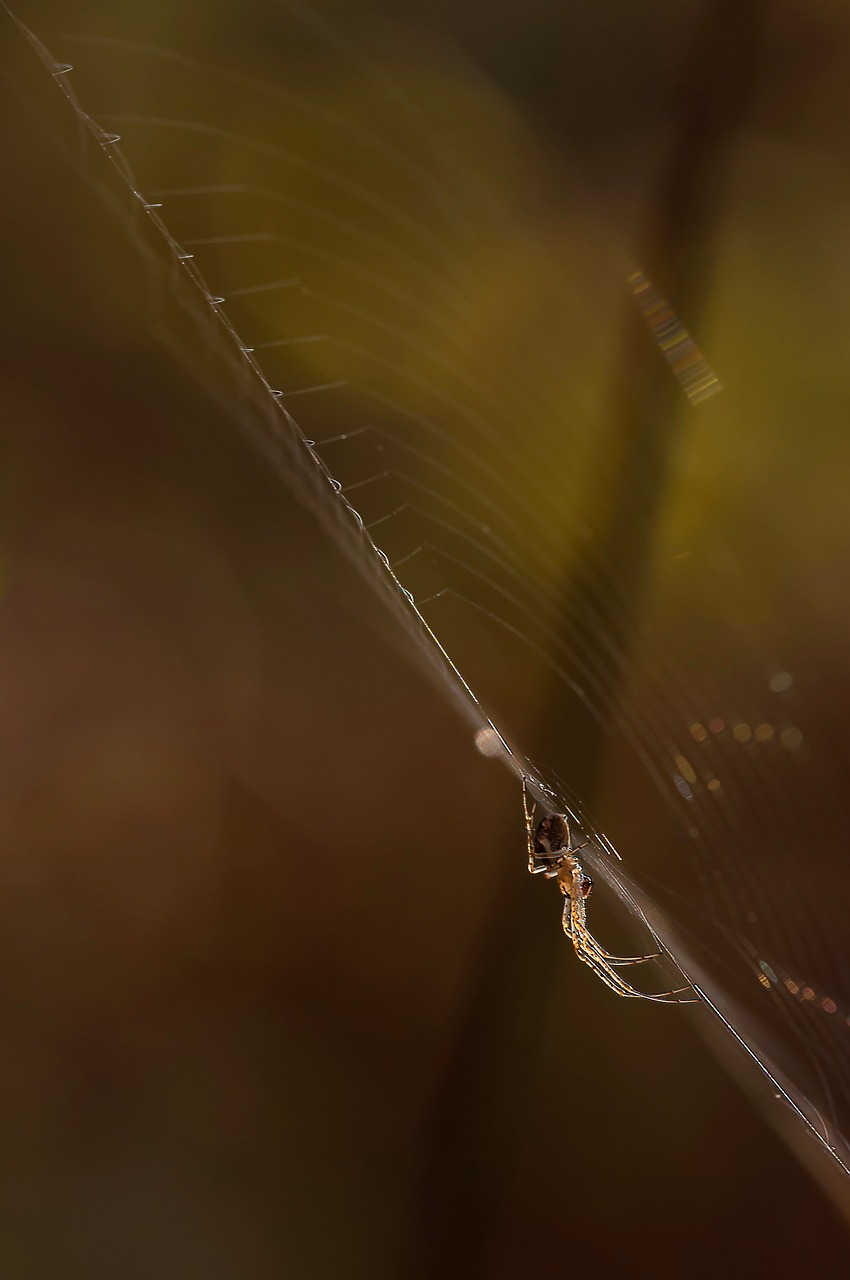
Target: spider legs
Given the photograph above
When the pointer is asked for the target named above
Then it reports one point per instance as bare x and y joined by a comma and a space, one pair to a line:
590, 953
533, 860
600, 951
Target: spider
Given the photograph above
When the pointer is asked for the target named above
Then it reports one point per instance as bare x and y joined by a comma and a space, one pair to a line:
550, 854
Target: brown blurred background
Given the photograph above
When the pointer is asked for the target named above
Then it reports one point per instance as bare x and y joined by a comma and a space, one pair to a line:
276, 994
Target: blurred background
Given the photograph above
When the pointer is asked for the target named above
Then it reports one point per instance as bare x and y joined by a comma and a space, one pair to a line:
277, 996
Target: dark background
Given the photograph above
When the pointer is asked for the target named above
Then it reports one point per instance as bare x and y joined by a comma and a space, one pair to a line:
268, 1002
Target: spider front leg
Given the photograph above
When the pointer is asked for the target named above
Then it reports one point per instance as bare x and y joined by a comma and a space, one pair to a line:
586, 950
576, 884
599, 950
590, 953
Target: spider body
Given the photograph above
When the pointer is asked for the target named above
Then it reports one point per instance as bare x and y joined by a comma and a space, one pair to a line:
551, 855
552, 835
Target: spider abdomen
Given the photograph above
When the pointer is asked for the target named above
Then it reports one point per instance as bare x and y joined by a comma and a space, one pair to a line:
552, 834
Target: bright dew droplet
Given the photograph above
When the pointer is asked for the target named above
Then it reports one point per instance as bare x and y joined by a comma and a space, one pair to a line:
488, 743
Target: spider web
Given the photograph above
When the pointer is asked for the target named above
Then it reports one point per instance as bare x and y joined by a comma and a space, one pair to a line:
443, 358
